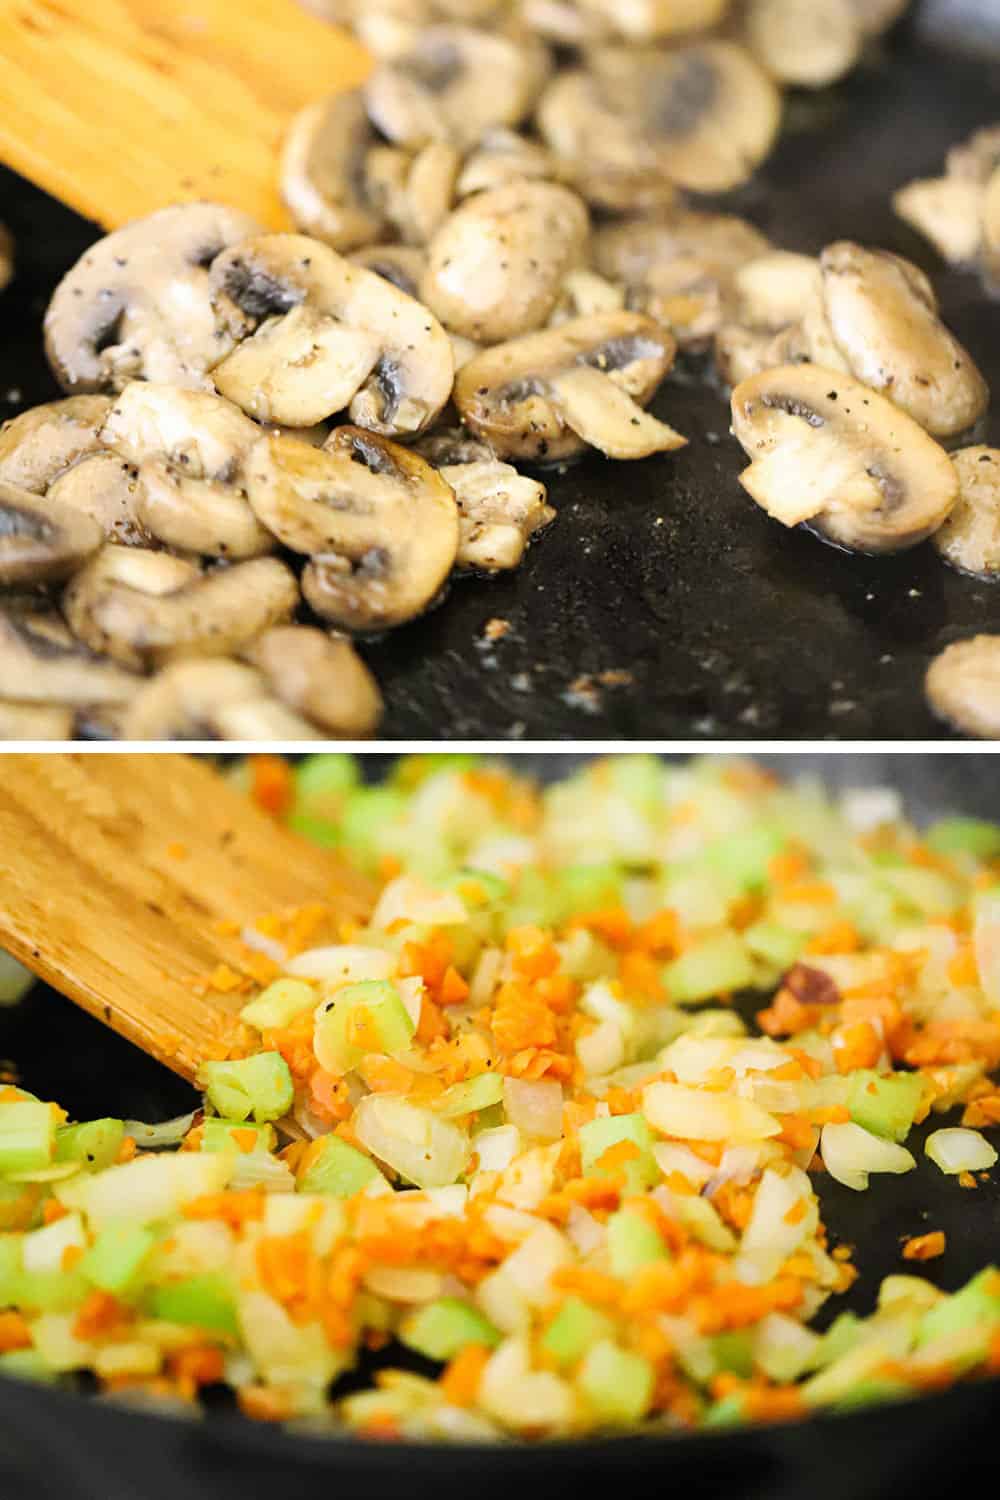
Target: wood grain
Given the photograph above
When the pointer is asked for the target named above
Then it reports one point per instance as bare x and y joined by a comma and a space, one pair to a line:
119, 107
115, 870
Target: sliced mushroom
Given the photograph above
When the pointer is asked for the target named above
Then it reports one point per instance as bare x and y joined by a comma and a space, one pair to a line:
768, 296
188, 449
41, 663
807, 43
828, 450
503, 156
413, 190
137, 304
322, 172
321, 677
454, 83
330, 335
970, 537
144, 608
963, 686
212, 700
550, 394
656, 20
701, 117
34, 721
379, 525
500, 511
41, 540
960, 212
403, 265
583, 294
883, 317
494, 268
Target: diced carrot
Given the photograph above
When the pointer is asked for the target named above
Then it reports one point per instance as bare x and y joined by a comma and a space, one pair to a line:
520, 1019
460, 1379
838, 937
787, 867
612, 923
925, 1246
856, 1044
71, 1256
963, 969
454, 990
660, 934
383, 1075
201, 1364
234, 1208
640, 976
14, 1332
99, 1314
264, 1403
127, 1149
797, 1212
271, 784
53, 1211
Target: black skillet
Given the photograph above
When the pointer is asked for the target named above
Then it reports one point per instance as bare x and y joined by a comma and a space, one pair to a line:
727, 626
57, 1446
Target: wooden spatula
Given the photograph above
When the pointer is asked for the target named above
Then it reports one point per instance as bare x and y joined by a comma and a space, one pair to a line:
121, 879
119, 107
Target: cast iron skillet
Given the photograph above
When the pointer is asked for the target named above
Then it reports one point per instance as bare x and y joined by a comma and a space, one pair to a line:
56, 1446
730, 627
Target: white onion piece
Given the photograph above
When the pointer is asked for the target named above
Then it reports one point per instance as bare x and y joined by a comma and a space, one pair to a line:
770, 1238
534, 1107
416, 1143
158, 1137
671, 1157
405, 1283
407, 899
850, 1153
696, 1115
344, 963
959, 1150
585, 1233
986, 941
602, 1050
261, 944
497, 1148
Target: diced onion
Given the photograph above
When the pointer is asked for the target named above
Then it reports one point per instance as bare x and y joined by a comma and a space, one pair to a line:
602, 1050
696, 1115
261, 944
958, 1150
344, 963
405, 1283
850, 1153
407, 899
497, 1148
534, 1107
986, 942
415, 1142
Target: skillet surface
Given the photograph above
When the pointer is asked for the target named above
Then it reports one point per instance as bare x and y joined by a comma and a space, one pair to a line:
727, 626
54, 1446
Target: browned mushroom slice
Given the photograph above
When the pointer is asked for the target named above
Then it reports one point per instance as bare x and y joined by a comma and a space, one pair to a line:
583, 294
41, 540
970, 537
656, 20
321, 677
550, 394
832, 452
379, 525
330, 335
454, 83
403, 265
948, 211
503, 156
883, 317
500, 511
322, 172
211, 700
963, 686
41, 663
188, 449
43, 442
413, 190
137, 304
770, 298
808, 43
145, 608
495, 267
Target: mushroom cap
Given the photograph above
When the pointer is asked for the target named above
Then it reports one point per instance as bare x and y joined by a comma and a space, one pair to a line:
883, 318
41, 539
379, 524
35, 721
453, 83
320, 676
828, 450
414, 190
499, 512
808, 43
655, 20
503, 156
495, 266
631, 249
963, 686
43, 442
970, 538
104, 487
330, 335
403, 265
211, 699
536, 397
41, 663
144, 608
321, 172
137, 304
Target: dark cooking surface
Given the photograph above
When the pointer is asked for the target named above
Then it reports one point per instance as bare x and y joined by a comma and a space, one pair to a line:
56, 1447
729, 626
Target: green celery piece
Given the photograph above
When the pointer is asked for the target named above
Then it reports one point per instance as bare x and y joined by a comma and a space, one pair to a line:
95, 1143
964, 836
114, 1260
26, 1364
367, 815
871, 1391
640, 778
439, 1330
319, 831
279, 1004
745, 856
534, 902
581, 888
885, 1104
260, 1086
978, 1302
10, 1266
775, 944
50, 1291
217, 1135
492, 890
633, 1243
323, 781
729, 1412
470, 1096
734, 1352
617, 1384
927, 891
597, 1136
337, 1168
574, 1330
411, 771
27, 1135
204, 1301
843, 1335
718, 965
391, 1022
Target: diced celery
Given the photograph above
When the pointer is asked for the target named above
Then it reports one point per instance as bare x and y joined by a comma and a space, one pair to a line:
228, 1135
885, 1104
321, 831
361, 1018
480, 888
114, 1260
367, 813
927, 891
964, 836
574, 1330
470, 1096
872, 1391
322, 781
632, 1243
535, 902
10, 1266
27, 1135
598, 1136
337, 1168
775, 944
581, 888
734, 1352
95, 1144
260, 1086
617, 1384
279, 1004
746, 855
439, 1330
50, 1291
43, 1249
26, 1364
730, 1411
977, 1303
200, 1301
411, 771
843, 1335
718, 965
640, 778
